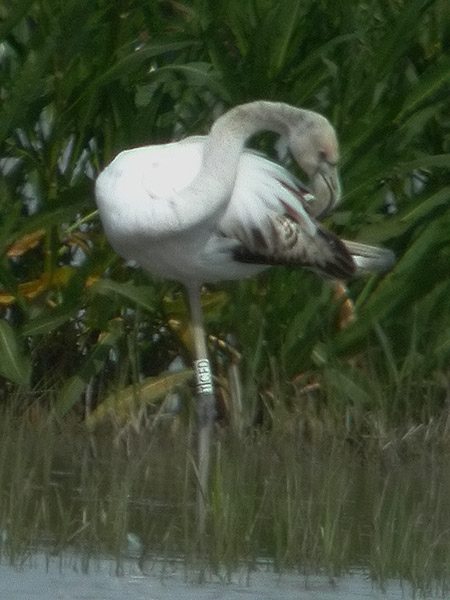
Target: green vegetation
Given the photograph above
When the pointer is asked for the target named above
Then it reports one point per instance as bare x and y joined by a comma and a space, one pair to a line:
277, 502
81, 80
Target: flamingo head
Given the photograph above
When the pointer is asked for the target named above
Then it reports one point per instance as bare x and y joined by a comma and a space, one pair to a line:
314, 146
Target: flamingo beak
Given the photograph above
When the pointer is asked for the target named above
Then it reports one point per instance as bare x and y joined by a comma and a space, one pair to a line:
326, 188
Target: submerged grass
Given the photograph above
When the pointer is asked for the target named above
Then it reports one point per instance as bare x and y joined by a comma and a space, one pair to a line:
275, 499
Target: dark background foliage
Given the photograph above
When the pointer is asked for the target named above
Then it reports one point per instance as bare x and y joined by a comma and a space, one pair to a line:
83, 80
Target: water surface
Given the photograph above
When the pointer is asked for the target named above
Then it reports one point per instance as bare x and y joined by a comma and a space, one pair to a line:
330, 508
64, 579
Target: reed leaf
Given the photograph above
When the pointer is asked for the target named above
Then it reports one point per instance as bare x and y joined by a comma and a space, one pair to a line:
14, 364
122, 405
75, 386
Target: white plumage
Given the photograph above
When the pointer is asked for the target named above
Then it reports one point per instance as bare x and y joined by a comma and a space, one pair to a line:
129, 192
131, 189
206, 209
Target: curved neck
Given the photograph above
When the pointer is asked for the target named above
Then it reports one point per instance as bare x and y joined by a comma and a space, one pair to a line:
232, 130
225, 143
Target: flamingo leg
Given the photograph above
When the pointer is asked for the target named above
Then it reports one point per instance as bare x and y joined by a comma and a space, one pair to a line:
206, 410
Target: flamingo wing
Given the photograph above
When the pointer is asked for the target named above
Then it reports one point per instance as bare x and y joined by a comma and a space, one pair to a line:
270, 215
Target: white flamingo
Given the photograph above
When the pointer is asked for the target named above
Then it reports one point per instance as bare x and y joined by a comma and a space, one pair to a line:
207, 209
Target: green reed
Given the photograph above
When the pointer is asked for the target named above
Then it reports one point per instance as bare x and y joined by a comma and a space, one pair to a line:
277, 500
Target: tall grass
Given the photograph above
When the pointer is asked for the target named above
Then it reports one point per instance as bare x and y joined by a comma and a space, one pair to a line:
276, 500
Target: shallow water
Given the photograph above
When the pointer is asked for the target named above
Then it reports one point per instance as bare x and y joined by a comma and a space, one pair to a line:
65, 579
325, 509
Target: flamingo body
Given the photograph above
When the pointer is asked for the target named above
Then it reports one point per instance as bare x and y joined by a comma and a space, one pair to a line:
269, 218
207, 209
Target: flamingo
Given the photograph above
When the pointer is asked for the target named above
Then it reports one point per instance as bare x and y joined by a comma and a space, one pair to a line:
206, 209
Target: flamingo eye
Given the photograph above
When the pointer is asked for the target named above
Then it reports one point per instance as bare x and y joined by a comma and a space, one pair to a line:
324, 156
